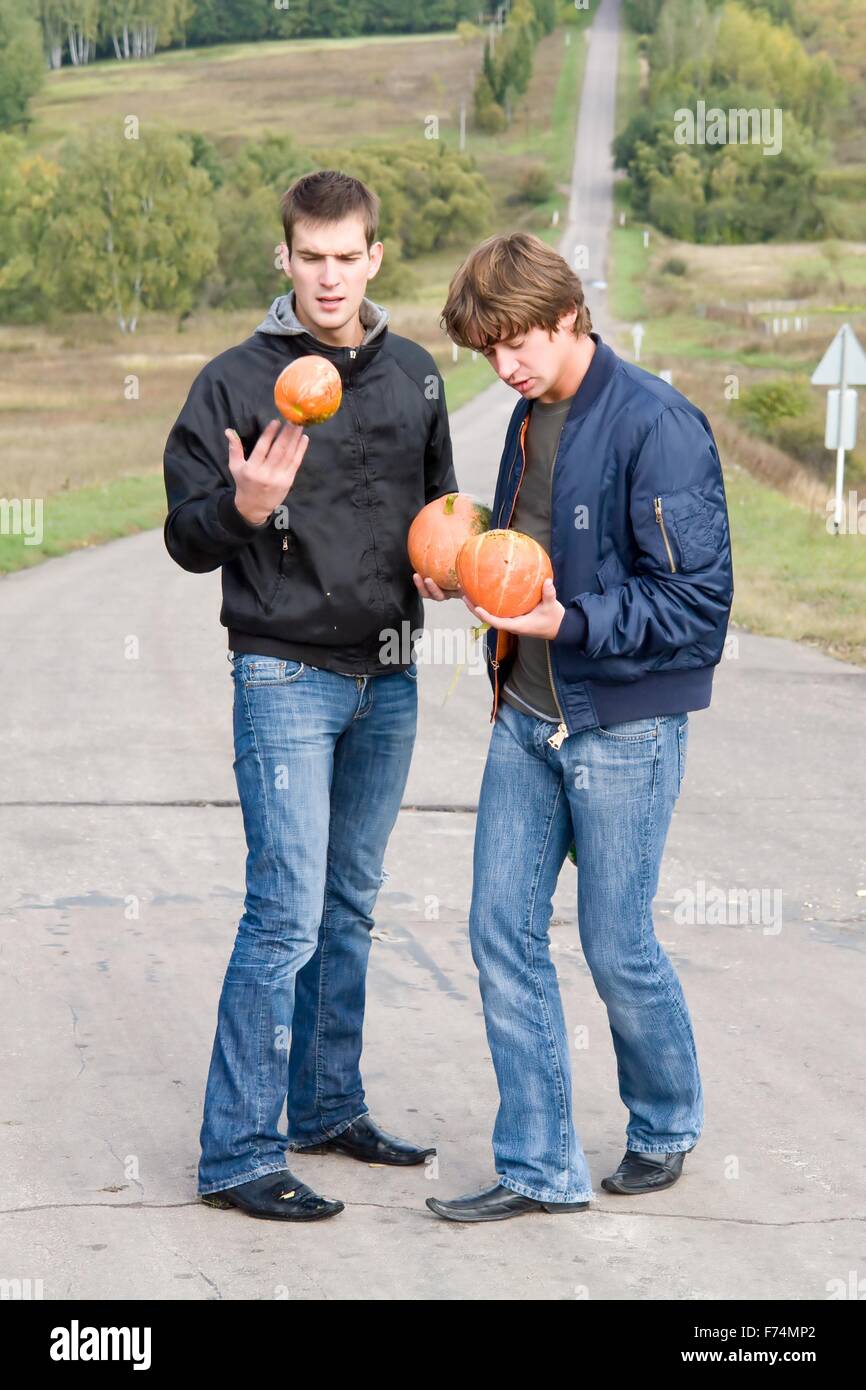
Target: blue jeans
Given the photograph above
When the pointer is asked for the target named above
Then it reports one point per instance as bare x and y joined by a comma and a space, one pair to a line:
611, 791
321, 762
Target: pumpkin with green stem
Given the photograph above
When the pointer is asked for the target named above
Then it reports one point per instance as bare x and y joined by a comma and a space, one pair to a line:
439, 531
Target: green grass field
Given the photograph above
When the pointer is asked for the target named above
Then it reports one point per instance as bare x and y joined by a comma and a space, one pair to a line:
791, 578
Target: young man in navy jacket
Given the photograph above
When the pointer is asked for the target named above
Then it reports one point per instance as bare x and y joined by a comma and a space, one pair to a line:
617, 476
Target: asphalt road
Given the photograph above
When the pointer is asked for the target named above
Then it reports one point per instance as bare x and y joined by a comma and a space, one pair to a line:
123, 877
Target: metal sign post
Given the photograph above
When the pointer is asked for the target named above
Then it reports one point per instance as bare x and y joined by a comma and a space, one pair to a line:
842, 366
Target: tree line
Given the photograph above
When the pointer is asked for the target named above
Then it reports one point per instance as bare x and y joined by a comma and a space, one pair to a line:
126, 221
734, 140
36, 35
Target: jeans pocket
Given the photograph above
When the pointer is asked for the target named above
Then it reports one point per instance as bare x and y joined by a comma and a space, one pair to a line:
410, 672
631, 731
269, 670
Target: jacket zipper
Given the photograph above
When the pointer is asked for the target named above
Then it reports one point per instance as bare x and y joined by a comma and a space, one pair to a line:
661, 521
495, 661
356, 419
556, 740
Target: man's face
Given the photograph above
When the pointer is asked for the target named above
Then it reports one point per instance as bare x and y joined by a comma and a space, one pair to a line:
330, 265
534, 362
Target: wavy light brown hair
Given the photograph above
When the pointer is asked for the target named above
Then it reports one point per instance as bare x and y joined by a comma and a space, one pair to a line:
508, 285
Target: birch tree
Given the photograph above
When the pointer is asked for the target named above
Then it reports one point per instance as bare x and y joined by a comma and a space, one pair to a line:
27, 185
81, 21
135, 228
50, 14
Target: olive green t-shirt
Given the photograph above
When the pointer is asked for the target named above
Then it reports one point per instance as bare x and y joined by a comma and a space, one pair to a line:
528, 686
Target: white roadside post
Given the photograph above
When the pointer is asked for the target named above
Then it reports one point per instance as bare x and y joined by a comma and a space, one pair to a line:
842, 367
637, 338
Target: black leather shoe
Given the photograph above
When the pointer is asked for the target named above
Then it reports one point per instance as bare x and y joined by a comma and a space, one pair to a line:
645, 1172
366, 1141
496, 1203
276, 1196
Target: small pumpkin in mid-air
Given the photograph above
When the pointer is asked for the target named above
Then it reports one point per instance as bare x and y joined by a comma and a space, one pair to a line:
438, 532
309, 390
503, 571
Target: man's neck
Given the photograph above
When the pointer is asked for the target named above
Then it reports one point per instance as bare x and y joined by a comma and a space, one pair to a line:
573, 372
351, 334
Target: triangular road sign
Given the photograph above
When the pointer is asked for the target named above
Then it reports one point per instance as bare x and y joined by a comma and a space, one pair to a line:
829, 370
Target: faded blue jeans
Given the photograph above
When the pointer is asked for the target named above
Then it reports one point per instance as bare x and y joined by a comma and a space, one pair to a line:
321, 762
611, 791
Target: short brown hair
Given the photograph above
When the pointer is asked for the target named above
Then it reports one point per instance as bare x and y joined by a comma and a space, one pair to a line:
508, 285
328, 196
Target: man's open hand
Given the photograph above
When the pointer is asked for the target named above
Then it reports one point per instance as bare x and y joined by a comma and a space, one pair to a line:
262, 480
542, 621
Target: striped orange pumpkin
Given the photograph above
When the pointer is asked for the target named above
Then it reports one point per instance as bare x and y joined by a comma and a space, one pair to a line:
503, 572
438, 532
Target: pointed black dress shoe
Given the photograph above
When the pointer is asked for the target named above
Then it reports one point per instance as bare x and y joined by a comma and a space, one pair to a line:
645, 1172
365, 1140
496, 1203
278, 1196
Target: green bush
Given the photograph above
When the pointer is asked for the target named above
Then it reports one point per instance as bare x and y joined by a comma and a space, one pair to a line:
768, 402
675, 265
490, 118
536, 184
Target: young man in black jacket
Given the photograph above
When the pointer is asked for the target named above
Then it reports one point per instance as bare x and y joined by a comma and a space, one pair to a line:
310, 531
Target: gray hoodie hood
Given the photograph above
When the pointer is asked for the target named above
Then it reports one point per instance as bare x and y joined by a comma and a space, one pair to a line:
281, 318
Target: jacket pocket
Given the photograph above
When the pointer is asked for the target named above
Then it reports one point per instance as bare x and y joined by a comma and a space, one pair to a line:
284, 553
686, 539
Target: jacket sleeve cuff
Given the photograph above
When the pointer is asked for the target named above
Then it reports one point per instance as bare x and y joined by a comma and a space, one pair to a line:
234, 523
574, 627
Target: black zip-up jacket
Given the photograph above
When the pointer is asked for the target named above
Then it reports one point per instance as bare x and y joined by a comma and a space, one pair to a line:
326, 579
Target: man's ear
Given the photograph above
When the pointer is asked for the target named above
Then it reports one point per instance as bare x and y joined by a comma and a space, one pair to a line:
377, 250
283, 255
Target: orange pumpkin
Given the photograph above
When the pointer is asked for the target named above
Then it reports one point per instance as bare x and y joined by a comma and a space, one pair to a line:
438, 532
309, 390
503, 572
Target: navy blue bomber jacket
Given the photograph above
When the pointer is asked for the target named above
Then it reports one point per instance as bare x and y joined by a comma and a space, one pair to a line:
640, 547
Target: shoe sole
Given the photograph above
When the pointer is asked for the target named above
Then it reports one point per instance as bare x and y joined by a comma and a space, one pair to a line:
638, 1191
222, 1204
359, 1158
554, 1208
